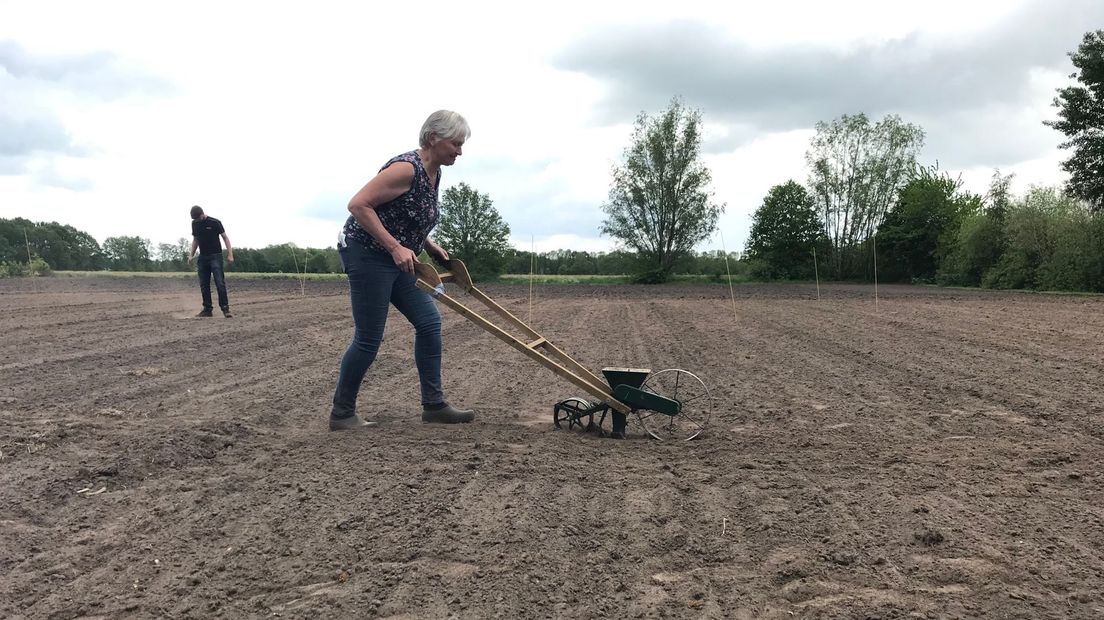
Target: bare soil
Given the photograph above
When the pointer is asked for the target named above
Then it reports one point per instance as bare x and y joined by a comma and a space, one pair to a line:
936, 454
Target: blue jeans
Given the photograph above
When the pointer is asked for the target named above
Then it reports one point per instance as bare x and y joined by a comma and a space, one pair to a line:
375, 283
208, 265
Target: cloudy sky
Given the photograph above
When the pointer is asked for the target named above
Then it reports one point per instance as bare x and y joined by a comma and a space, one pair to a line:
117, 117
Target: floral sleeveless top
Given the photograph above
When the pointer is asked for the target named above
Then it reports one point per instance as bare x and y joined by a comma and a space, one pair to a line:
408, 218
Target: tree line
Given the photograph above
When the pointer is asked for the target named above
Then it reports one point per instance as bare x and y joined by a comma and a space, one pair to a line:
869, 209
55, 246
937, 233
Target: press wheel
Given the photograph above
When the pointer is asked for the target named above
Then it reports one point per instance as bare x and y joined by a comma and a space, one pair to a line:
566, 414
696, 405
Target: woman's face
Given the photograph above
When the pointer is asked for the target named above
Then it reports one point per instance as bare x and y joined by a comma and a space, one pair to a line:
448, 150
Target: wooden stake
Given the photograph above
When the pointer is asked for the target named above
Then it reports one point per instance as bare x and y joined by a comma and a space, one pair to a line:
532, 262
731, 294
295, 261
875, 273
816, 273
34, 282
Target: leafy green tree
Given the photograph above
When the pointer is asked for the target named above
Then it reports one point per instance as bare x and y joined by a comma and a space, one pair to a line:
173, 256
13, 244
518, 261
325, 260
284, 257
65, 247
1081, 119
784, 233
85, 252
1033, 232
658, 202
616, 263
920, 230
857, 169
976, 249
127, 253
999, 197
166, 257
1094, 264
472, 230
579, 263
979, 242
62, 247
1069, 265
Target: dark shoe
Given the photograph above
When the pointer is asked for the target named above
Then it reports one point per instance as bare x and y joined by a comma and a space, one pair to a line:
205, 313
446, 414
226, 313
352, 422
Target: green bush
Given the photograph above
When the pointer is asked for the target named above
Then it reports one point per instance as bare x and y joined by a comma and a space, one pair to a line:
651, 276
1094, 267
1067, 268
39, 267
976, 249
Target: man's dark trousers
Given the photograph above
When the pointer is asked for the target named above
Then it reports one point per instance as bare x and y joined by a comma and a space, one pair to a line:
208, 265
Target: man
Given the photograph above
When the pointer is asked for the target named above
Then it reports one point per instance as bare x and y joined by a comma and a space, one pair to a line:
205, 236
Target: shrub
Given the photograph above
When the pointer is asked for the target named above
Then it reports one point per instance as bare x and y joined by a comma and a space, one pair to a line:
651, 276
39, 267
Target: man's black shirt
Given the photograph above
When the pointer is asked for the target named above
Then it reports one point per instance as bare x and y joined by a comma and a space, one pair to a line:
207, 232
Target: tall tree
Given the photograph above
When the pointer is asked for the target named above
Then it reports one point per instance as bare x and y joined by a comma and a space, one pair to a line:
784, 232
856, 171
61, 246
173, 256
999, 197
921, 228
1081, 119
13, 236
658, 203
127, 253
472, 230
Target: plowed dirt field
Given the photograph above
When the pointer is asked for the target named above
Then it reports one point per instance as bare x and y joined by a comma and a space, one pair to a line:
937, 454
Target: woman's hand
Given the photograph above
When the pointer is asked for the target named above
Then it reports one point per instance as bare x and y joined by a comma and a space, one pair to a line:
404, 258
437, 253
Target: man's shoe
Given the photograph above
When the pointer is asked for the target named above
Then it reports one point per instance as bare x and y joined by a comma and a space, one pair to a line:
205, 313
226, 313
350, 423
445, 413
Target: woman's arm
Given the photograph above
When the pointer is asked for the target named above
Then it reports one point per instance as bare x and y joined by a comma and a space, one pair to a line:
436, 252
392, 182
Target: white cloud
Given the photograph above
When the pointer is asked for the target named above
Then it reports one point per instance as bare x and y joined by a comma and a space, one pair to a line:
272, 115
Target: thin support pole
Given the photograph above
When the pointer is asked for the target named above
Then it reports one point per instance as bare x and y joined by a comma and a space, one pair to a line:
816, 273
731, 294
532, 263
302, 281
27, 240
875, 273
295, 261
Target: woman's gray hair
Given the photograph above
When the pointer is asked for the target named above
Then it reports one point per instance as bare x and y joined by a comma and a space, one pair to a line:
444, 124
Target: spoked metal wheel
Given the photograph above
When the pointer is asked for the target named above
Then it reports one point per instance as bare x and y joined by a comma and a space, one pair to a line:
691, 393
566, 414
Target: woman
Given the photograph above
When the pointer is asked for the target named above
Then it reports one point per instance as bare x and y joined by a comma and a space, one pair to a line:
390, 223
